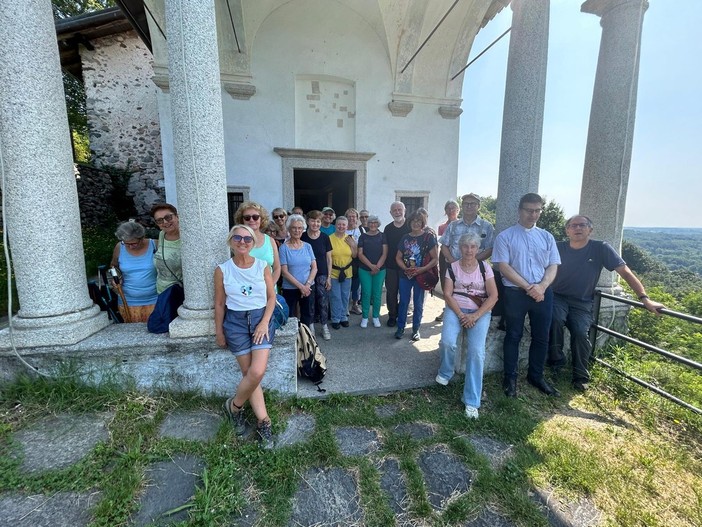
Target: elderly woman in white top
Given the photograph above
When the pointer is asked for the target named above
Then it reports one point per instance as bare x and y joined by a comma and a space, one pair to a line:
244, 304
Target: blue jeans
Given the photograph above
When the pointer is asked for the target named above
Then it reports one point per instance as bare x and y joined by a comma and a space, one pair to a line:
576, 315
475, 352
408, 287
340, 292
517, 305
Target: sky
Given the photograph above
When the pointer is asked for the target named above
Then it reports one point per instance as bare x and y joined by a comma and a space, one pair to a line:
665, 181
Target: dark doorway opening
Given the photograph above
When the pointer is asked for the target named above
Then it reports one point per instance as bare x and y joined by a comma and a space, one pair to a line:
315, 189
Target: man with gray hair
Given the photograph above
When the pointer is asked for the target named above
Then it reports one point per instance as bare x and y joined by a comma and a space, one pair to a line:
393, 233
582, 261
469, 221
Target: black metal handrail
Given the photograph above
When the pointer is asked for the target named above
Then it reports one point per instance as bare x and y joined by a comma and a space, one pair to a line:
596, 327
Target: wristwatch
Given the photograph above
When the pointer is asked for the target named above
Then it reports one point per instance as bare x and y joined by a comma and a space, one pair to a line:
643, 297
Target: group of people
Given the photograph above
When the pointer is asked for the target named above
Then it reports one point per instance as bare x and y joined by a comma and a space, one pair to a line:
328, 267
554, 283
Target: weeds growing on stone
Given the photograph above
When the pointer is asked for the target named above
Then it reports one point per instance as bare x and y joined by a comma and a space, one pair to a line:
579, 447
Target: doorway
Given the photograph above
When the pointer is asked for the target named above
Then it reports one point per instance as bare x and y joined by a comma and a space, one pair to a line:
315, 189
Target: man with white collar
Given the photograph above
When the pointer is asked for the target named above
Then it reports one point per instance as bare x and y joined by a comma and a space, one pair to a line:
582, 261
528, 260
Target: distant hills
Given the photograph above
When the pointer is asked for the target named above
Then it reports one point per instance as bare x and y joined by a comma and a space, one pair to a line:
676, 248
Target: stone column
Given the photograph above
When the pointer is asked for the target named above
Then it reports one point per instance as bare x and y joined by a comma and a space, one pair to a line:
523, 118
611, 131
198, 144
39, 187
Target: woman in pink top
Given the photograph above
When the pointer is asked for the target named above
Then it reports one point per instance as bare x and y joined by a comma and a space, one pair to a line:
470, 293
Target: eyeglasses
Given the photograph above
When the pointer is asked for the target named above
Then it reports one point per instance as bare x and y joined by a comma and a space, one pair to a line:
165, 219
532, 211
364, 217
238, 238
578, 226
132, 244
470, 203
276, 216
249, 217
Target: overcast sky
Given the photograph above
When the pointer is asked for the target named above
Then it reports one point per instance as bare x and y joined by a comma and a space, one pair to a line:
665, 183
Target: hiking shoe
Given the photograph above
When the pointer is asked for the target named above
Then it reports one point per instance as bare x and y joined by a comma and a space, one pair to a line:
336, 325
376, 323
471, 412
356, 309
415, 336
399, 333
325, 332
441, 380
581, 386
265, 435
392, 322
236, 419
344, 323
364, 322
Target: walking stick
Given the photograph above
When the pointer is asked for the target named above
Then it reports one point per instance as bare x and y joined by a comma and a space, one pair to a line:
124, 302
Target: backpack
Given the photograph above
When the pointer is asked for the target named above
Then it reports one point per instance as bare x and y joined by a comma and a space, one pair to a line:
281, 312
310, 361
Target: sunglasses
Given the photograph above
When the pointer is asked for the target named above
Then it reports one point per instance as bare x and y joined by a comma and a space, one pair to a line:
238, 238
249, 217
166, 219
279, 216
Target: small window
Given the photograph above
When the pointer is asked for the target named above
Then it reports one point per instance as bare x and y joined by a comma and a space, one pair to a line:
234, 201
413, 200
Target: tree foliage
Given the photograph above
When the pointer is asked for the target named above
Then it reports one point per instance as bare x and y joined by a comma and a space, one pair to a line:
69, 8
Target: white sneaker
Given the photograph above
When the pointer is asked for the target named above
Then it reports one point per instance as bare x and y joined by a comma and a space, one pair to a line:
376, 323
471, 412
441, 380
325, 332
311, 326
364, 322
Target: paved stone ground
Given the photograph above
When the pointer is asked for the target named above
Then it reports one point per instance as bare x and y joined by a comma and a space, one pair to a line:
325, 495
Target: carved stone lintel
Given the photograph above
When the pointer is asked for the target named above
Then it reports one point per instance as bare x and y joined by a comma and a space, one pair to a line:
239, 90
450, 112
400, 108
161, 81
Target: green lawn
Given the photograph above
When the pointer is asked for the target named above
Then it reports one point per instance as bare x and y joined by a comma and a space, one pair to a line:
636, 470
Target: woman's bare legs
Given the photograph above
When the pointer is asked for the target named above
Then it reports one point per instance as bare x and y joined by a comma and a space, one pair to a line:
253, 368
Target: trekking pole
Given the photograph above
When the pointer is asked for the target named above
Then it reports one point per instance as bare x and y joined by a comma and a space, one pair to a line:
124, 302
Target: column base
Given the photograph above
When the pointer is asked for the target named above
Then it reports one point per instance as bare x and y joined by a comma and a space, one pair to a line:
61, 330
192, 323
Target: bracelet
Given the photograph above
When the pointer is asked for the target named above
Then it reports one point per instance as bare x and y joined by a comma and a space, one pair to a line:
643, 297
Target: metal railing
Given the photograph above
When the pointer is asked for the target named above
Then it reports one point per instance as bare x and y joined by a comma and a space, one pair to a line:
596, 327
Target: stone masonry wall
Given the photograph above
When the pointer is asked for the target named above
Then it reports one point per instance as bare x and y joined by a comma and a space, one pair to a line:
123, 114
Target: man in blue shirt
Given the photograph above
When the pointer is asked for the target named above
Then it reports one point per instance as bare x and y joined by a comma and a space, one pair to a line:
582, 261
527, 259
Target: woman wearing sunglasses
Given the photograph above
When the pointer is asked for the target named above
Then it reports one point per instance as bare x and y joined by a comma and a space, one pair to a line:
278, 229
169, 272
255, 217
244, 304
133, 256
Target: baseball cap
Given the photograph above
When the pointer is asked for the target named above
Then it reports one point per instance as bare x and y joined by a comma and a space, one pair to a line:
328, 209
471, 195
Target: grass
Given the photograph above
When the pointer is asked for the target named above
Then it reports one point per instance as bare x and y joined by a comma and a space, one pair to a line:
576, 447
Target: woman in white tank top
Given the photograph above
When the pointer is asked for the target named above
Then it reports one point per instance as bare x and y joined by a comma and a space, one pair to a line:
244, 305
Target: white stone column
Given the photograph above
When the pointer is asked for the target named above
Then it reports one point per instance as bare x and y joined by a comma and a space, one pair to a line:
611, 131
198, 144
523, 118
43, 219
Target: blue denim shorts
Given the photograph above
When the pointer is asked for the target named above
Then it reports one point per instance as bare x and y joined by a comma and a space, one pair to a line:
239, 327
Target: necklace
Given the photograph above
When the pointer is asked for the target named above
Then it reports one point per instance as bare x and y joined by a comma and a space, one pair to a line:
468, 268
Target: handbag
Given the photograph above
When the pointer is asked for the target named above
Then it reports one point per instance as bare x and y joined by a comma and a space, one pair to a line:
428, 279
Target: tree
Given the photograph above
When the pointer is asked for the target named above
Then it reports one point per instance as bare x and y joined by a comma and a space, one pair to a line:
69, 8
553, 220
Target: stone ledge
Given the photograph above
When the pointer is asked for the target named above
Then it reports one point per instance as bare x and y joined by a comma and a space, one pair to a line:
400, 108
129, 355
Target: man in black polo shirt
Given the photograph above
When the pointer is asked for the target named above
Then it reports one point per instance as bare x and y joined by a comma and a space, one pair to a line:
582, 261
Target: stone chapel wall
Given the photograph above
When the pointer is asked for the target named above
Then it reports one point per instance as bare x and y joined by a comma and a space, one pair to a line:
123, 114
